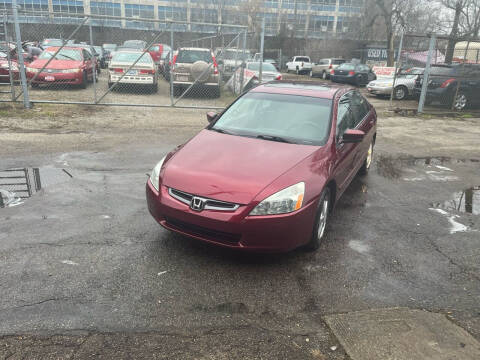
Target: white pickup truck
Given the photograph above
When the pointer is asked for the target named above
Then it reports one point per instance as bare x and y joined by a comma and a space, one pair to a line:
299, 65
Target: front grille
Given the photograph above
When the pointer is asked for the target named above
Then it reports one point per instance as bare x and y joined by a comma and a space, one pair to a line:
210, 204
203, 232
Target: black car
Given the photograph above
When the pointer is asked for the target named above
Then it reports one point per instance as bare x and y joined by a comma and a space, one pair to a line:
355, 74
455, 85
102, 56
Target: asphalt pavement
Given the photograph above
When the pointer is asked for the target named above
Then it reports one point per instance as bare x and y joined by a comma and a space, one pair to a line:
86, 272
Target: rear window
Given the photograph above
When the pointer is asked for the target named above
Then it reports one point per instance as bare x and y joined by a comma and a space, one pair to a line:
154, 48
338, 61
255, 66
137, 44
131, 57
346, 66
304, 59
192, 56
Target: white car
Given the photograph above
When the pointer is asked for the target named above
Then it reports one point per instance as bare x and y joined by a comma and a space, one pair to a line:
404, 85
269, 72
300, 65
230, 59
143, 73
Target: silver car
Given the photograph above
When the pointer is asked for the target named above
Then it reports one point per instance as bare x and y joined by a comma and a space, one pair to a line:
269, 72
404, 85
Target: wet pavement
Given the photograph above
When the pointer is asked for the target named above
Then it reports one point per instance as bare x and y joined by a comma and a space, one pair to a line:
82, 259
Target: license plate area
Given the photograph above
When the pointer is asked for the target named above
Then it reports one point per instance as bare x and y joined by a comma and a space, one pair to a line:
182, 78
132, 72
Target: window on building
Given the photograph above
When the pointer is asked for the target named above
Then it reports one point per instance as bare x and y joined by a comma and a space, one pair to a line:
68, 6
139, 11
172, 13
105, 8
321, 23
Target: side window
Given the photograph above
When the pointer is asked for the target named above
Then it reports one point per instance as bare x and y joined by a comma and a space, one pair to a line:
359, 107
345, 117
86, 55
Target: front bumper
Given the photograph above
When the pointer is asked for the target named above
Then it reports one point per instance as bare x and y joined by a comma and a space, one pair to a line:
379, 90
235, 230
64, 78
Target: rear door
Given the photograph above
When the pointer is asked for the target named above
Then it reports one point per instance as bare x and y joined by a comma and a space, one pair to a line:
87, 58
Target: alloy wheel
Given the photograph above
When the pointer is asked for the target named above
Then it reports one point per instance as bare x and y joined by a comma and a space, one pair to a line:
369, 159
460, 102
322, 219
400, 93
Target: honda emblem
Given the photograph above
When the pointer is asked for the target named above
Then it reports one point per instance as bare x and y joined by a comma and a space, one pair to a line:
197, 204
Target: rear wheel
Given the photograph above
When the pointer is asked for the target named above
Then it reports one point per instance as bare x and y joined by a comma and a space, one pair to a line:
324, 75
368, 161
311, 73
460, 102
298, 71
321, 219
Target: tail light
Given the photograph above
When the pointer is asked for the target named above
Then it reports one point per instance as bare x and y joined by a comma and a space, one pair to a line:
331, 66
351, 73
151, 72
279, 77
332, 72
215, 66
447, 83
118, 70
172, 62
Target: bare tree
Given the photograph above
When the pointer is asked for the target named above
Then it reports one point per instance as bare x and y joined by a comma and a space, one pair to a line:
465, 24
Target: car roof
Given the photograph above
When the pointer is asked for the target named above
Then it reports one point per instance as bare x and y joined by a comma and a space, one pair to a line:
302, 88
194, 48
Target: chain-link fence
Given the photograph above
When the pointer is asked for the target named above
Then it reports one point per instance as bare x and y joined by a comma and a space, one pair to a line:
112, 60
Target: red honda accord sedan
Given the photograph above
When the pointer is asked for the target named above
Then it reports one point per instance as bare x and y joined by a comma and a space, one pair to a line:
267, 171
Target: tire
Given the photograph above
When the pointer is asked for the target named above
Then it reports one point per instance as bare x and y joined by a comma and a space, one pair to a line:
321, 221
368, 161
311, 73
298, 71
83, 84
400, 92
460, 102
324, 75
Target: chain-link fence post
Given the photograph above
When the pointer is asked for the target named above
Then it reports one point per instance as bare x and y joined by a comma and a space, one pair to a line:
23, 75
262, 39
397, 65
244, 61
94, 79
9, 58
170, 67
426, 74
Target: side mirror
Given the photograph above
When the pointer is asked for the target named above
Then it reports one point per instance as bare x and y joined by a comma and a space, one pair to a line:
352, 136
211, 115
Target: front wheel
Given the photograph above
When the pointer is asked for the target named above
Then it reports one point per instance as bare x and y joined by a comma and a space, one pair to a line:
83, 84
321, 219
311, 73
368, 161
400, 93
324, 75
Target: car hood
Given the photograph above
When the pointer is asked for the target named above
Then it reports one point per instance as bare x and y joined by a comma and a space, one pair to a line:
56, 64
230, 168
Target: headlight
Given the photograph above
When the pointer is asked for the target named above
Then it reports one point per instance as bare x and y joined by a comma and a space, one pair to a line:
154, 176
69, 71
284, 201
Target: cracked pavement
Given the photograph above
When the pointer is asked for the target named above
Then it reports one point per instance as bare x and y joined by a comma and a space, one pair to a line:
87, 273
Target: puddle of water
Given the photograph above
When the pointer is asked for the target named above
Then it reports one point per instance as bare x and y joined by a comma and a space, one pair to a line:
455, 226
19, 184
466, 201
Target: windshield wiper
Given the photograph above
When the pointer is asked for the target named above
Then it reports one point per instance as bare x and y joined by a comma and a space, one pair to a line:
221, 131
65, 56
273, 138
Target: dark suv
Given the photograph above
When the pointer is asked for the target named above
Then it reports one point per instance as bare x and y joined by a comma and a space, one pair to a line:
444, 81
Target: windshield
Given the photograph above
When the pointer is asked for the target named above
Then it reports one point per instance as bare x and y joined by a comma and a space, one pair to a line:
64, 54
191, 56
52, 42
137, 44
346, 66
132, 57
234, 54
265, 67
297, 119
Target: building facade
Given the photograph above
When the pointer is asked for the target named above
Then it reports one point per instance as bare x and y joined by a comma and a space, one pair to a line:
301, 18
